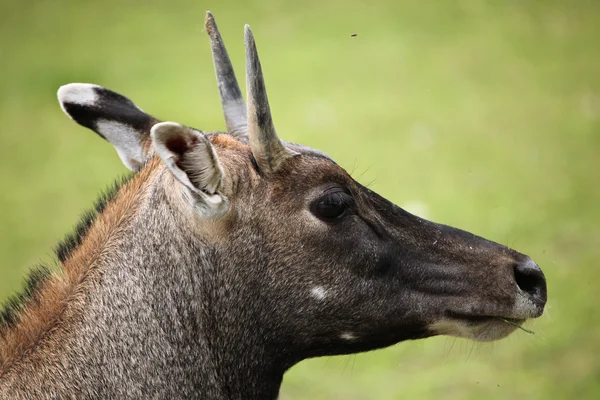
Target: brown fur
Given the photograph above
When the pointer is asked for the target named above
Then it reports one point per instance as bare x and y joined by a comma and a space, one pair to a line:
47, 318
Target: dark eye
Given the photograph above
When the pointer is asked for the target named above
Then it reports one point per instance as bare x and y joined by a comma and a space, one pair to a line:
332, 205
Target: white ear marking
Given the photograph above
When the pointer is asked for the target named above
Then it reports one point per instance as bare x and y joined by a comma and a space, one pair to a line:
348, 336
112, 116
214, 199
125, 139
77, 93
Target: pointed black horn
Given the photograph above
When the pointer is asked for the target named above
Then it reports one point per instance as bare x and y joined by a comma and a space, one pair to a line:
232, 101
269, 152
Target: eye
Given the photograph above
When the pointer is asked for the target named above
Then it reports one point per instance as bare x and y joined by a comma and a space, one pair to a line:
332, 206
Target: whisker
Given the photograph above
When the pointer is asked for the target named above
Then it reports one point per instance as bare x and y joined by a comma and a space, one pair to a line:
516, 325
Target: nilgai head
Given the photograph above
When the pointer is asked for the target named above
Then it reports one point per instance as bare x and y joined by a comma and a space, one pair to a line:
304, 254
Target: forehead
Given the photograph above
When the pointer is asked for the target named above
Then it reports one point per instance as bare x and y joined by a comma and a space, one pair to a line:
311, 168
226, 140
305, 150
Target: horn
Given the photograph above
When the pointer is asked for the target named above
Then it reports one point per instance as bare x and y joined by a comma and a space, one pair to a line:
269, 152
232, 101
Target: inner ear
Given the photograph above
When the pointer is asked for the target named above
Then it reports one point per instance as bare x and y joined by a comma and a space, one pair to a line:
191, 158
179, 145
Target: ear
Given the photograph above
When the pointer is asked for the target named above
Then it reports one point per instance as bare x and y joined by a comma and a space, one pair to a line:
191, 158
112, 116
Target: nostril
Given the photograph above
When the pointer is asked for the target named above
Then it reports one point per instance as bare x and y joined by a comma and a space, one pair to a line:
530, 279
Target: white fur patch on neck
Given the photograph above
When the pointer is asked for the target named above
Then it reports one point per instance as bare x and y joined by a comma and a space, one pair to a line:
318, 292
348, 336
77, 93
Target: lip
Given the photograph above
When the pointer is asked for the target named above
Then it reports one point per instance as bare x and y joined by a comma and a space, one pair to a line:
480, 319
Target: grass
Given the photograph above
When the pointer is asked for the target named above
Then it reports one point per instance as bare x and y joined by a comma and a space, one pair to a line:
479, 114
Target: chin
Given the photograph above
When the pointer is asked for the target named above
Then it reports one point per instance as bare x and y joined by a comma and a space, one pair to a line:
480, 329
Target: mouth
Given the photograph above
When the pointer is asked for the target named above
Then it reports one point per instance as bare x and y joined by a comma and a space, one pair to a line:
482, 319
485, 318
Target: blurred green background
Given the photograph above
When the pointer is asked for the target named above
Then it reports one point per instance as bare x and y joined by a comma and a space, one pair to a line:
478, 114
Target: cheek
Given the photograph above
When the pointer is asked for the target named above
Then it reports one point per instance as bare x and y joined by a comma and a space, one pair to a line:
386, 259
370, 263
368, 255
339, 252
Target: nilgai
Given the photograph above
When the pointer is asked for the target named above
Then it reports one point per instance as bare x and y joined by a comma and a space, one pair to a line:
227, 257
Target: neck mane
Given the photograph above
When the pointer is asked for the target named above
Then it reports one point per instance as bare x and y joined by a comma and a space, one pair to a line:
53, 299
193, 342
